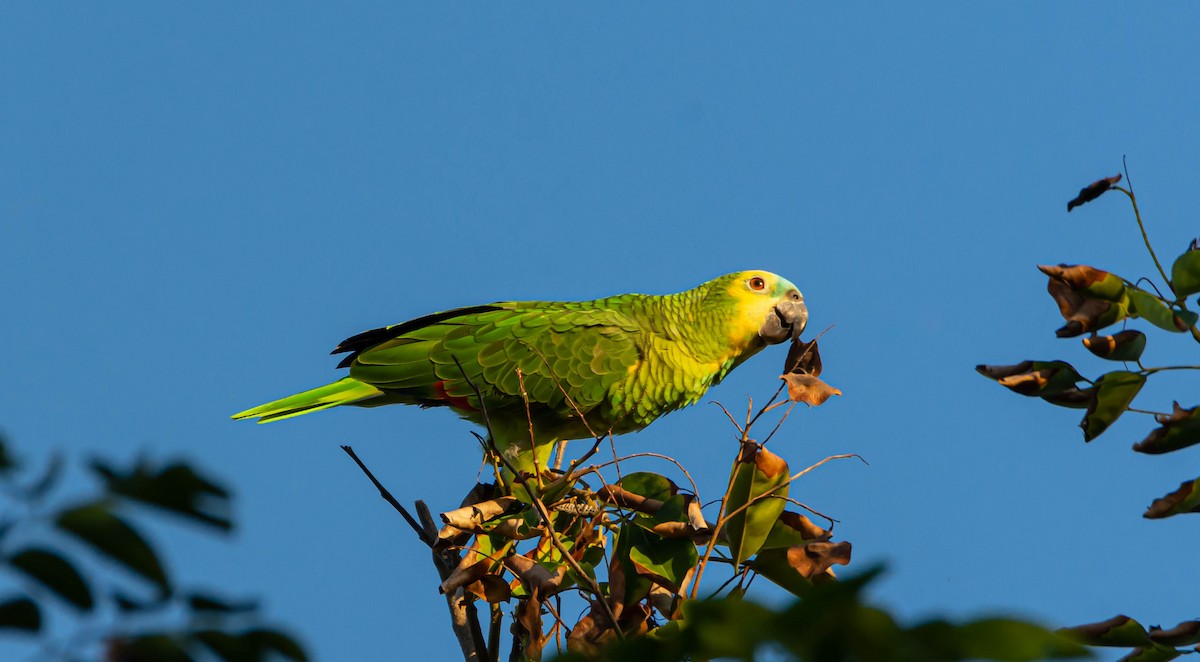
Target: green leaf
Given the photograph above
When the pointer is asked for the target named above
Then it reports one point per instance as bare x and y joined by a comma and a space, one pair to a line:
750, 513
1006, 639
773, 564
20, 614
1155, 653
728, 627
1185, 274
1150, 308
56, 574
177, 488
636, 585
1113, 393
1123, 346
1186, 499
1120, 631
112, 537
668, 560
1179, 430
649, 485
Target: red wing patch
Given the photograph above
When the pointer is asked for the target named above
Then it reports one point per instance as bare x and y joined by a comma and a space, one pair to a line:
454, 401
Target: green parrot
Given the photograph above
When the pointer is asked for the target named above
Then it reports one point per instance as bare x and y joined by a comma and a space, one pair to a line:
623, 361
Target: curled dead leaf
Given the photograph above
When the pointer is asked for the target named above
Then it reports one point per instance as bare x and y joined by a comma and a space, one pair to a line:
1040, 378
1093, 191
1124, 346
815, 558
622, 497
489, 588
1088, 298
1186, 633
1186, 499
1179, 430
469, 518
539, 579
803, 357
808, 389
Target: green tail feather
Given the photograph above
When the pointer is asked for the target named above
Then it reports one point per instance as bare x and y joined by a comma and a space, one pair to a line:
342, 392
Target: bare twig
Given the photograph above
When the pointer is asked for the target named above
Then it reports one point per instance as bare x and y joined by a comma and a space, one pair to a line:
595, 469
387, 496
464, 617
728, 415
843, 456
810, 509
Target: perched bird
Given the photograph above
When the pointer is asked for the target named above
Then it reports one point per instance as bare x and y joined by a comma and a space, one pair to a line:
623, 361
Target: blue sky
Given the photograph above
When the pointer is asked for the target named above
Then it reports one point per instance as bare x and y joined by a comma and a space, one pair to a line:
198, 201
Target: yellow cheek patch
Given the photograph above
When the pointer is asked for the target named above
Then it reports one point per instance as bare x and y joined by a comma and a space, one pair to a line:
751, 309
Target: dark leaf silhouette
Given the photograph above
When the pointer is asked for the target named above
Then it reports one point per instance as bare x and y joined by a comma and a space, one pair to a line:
111, 536
20, 614
55, 573
177, 488
1093, 191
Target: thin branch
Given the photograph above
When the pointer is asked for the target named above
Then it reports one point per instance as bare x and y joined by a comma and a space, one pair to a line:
843, 456
660, 456
728, 415
387, 496
1142, 226
1147, 411
494, 633
464, 616
1151, 371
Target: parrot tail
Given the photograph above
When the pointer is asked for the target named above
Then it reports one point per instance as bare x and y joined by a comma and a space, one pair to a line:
342, 392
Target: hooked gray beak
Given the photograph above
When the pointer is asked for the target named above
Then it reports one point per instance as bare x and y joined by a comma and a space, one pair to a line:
786, 321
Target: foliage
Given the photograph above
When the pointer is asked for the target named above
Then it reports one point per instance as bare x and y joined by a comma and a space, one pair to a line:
87, 562
1090, 300
636, 549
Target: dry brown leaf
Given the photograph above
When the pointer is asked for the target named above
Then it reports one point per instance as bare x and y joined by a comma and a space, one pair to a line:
1093, 191
815, 558
536, 577
805, 526
803, 357
469, 518
489, 588
617, 495
808, 389
1184, 634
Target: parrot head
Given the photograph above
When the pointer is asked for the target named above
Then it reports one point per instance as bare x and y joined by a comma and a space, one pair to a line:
769, 309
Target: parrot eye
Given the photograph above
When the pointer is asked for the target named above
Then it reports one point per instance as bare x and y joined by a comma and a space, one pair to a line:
756, 284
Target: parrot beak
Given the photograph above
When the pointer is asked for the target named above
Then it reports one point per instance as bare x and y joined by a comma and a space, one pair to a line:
786, 321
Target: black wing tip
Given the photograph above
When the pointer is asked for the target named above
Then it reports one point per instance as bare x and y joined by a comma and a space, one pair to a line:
367, 339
